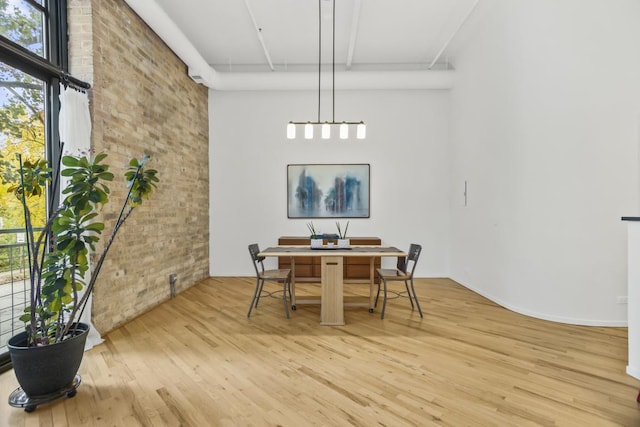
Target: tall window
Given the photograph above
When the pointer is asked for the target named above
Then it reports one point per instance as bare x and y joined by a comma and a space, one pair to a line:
22, 106
32, 63
23, 22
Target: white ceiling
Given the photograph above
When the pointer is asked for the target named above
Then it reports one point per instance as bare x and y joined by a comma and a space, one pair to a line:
382, 35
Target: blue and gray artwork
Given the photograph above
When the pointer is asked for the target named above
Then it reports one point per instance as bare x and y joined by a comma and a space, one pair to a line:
328, 191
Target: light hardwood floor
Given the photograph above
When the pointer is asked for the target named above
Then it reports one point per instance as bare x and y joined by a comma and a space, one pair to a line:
197, 360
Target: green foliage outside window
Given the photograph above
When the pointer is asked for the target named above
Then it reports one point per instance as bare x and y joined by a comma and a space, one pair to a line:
22, 122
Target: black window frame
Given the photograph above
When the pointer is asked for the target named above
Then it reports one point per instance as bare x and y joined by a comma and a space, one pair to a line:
52, 70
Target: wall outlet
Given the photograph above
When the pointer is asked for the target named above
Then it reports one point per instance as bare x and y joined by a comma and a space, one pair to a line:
173, 278
622, 300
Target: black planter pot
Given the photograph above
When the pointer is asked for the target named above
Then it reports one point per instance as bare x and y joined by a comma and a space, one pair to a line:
46, 370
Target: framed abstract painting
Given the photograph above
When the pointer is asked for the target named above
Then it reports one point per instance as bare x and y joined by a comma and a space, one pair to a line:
328, 190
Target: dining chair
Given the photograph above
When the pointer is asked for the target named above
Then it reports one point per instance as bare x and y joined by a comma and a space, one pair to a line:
262, 275
402, 273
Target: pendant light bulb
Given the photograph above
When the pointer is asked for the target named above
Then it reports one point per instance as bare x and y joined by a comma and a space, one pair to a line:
344, 131
361, 131
291, 131
308, 131
326, 130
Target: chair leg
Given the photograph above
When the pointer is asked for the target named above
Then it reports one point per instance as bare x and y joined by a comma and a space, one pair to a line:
254, 299
284, 297
416, 298
292, 293
406, 285
377, 295
259, 293
384, 299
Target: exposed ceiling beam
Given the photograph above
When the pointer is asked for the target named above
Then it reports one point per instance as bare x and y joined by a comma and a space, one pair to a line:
453, 34
354, 32
348, 80
168, 31
259, 34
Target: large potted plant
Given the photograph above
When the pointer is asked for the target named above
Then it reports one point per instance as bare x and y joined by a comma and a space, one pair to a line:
47, 355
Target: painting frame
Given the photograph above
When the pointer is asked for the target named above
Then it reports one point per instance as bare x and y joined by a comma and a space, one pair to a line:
329, 190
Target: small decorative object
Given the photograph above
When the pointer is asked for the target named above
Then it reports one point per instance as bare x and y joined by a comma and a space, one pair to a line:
316, 240
343, 242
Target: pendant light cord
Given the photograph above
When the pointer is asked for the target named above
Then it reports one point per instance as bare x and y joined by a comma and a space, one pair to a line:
333, 59
319, 52
333, 77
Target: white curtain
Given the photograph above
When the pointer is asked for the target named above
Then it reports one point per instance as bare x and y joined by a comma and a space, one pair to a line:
75, 132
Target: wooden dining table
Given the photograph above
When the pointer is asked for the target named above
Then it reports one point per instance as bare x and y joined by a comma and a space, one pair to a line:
331, 297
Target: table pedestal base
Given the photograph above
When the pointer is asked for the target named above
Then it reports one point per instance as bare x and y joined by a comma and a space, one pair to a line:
331, 306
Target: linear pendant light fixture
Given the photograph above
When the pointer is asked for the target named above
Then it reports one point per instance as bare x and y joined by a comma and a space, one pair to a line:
325, 127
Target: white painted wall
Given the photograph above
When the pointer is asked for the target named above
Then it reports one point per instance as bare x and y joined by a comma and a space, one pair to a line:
406, 146
544, 128
633, 365
543, 125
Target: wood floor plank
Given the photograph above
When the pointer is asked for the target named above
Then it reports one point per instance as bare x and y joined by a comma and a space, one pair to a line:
197, 360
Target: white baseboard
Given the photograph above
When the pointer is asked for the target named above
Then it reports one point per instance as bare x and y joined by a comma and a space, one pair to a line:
634, 371
546, 316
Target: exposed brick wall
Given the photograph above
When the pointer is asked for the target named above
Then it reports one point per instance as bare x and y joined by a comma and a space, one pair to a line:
143, 102
81, 42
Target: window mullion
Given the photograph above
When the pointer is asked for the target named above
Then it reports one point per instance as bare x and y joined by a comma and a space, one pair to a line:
37, 5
